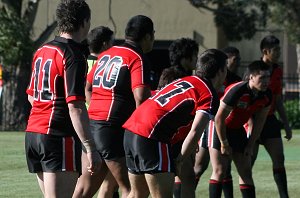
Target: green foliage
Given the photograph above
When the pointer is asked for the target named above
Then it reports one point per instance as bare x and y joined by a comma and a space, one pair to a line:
15, 42
292, 108
287, 16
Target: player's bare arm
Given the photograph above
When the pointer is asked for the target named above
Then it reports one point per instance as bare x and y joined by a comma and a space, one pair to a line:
191, 141
141, 94
220, 118
282, 113
30, 99
80, 121
88, 92
256, 128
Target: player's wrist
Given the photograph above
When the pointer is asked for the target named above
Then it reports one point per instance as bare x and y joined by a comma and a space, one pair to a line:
224, 143
89, 145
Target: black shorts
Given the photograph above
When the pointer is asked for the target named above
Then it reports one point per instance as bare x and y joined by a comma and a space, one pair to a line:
108, 139
272, 129
49, 153
144, 155
237, 139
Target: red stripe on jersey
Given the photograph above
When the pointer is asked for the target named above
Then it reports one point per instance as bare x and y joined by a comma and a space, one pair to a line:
164, 156
69, 153
72, 98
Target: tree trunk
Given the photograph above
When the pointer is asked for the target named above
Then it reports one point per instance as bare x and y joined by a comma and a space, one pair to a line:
14, 104
298, 66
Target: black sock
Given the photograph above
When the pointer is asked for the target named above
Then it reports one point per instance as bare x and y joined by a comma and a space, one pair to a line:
281, 181
215, 189
116, 194
227, 187
177, 189
196, 181
248, 191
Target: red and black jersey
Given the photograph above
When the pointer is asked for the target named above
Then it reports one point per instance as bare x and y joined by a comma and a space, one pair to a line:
275, 85
230, 79
173, 107
118, 71
244, 102
59, 71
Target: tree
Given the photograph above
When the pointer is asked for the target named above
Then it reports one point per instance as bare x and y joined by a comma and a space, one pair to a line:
16, 48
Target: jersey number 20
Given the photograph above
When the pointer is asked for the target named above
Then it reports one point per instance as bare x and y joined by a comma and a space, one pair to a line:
107, 72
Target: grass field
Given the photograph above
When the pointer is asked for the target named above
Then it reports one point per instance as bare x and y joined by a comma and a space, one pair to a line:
17, 182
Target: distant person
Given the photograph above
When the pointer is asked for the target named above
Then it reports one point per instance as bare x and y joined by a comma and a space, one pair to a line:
99, 39
58, 123
243, 102
118, 83
271, 134
149, 131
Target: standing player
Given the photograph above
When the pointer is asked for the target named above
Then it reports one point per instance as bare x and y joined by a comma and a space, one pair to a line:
202, 156
271, 135
100, 39
118, 83
149, 130
58, 121
241, 102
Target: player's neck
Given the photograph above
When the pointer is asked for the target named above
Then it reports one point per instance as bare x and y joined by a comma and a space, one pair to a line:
75, 36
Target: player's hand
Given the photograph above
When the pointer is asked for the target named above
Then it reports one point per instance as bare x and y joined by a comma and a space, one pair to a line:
95, 162
226, 150
288, 135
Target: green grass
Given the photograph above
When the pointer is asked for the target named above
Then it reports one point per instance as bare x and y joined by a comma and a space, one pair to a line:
17, 182
263, 175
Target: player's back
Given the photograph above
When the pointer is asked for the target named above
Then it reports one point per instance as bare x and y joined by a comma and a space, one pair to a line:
51, 90
118, 71
174, 106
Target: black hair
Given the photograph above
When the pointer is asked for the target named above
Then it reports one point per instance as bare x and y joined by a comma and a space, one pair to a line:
168, 75
71, 15
97, 36
269, 42
137, 27
182, 48
231, 50
210, 62
254, 68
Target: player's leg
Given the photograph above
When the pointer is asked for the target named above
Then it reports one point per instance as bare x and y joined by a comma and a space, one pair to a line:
227, 183
119, 171
87, 184
238, 141
244, 169
60, 184
274, 147
273, 144
109, 187
40, 178
186, 177
201, 158
219, 164
139, 187
160, 184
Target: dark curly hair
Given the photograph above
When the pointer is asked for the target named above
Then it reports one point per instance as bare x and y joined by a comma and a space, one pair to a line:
210, 62
182, 48
97, 36
71, 15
